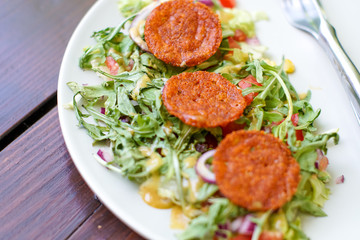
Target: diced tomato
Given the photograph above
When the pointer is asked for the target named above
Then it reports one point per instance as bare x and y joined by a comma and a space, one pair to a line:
242, 237
231, 127
299, 135
271, 235
112, 65
248, 82
244, 84
233, 43
295, 121
228, 3
252, 79
239, 36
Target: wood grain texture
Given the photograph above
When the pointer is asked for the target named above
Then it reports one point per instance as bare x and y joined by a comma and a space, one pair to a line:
104, 225
42, 195
33, 38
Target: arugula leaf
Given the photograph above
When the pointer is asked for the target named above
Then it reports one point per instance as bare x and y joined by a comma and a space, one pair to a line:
204, 226
106, 39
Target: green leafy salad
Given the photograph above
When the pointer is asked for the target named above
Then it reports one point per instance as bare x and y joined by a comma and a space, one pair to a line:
158, 151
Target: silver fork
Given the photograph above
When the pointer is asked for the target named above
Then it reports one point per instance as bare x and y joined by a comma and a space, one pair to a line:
308, 15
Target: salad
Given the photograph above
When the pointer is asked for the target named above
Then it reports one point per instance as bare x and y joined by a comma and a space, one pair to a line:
171, 160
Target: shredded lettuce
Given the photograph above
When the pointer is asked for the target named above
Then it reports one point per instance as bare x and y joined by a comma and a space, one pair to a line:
130, 7
234, 18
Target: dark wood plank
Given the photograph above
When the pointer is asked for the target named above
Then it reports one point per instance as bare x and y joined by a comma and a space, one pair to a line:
104, 225
33, 37
42, 195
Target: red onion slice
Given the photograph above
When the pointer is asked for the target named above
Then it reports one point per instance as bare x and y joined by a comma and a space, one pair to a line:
235, 225
104, 158
105, 155
208, 3
203, 170
134, 27
340, 179
243, 225
220, 235
225, 226
253, 41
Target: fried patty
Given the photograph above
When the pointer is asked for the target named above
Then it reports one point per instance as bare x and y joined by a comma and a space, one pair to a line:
255, 170
183, 33
203, 99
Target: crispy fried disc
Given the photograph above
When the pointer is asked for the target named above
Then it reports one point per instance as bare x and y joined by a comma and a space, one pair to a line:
203, 99
183, 33
255, 170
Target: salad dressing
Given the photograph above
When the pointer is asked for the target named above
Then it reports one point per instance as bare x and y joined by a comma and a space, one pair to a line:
149, 193
167, 127
154, 161
195, 185
142, 83
145, 151
178, 220
191, 212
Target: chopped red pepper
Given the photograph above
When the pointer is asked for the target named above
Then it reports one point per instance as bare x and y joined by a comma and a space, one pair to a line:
228, 3
241, 237
240, 36
295, 121
266, 235
112, 65
233, 43
299, 135
248, 82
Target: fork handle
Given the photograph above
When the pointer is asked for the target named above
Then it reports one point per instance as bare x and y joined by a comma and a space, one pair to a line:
349, 75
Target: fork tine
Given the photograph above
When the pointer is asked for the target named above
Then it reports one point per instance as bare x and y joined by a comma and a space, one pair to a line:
302, 14
312, 10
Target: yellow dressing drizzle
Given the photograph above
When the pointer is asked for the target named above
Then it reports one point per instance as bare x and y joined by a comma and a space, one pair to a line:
145, 151
178, 220
149, 193
167, 127
141, 83
154, 162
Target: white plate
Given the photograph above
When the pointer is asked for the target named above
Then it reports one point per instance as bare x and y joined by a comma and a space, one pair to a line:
314, 72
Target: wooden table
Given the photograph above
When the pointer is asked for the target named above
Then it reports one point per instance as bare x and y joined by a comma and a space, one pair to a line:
42, 195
